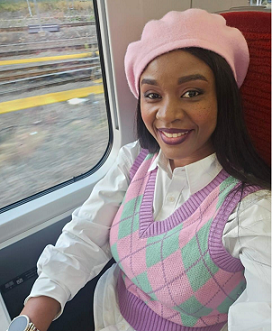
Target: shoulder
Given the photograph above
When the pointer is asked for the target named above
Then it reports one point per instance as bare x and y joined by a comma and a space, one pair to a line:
258, 201
248, 230
129, 152
253, 213
127, 156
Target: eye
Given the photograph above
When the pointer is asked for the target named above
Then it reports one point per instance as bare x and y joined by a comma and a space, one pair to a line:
191, 94
152, 96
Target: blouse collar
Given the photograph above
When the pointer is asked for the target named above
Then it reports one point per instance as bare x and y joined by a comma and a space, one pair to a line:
198, 174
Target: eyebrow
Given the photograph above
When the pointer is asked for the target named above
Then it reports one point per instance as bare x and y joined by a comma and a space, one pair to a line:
186, 79
181, 80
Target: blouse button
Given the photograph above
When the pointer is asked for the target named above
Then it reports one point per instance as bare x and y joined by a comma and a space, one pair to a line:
171, 198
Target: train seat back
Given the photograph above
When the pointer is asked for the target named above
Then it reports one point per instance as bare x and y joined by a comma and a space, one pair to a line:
256, 89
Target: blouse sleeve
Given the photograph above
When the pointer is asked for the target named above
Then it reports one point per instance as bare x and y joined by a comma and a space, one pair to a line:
247, 236
82, 249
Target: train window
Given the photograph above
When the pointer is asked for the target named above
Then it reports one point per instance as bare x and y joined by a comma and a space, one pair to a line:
54, 124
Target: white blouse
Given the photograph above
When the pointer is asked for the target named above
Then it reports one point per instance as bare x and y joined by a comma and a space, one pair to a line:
83, 249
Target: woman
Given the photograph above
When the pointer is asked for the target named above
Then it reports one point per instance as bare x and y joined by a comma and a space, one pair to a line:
191, 235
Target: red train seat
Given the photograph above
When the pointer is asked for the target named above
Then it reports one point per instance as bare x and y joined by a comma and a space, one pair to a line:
256, 90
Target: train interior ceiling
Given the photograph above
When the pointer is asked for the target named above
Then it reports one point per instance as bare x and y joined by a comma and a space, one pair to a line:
65, 112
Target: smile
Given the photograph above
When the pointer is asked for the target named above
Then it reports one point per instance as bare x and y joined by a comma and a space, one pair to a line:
174, 136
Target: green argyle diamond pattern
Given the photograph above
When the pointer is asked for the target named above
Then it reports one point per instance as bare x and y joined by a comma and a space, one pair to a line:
197, 272
224, 306
225, 187
143, 283
125, 222
115, 255
194, 309
162, 245
148, 157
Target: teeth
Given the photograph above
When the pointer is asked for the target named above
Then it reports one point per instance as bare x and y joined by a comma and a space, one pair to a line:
174, 135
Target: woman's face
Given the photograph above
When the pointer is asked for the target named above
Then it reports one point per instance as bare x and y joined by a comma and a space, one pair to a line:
179, 106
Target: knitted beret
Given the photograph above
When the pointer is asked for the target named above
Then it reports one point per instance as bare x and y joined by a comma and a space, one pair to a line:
190, 28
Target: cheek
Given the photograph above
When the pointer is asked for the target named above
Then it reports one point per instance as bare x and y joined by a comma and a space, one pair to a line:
208, 115
206, 122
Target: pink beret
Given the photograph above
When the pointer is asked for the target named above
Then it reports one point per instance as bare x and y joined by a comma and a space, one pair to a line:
190, 28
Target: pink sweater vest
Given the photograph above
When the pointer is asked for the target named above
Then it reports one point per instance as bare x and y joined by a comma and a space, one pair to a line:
175, 274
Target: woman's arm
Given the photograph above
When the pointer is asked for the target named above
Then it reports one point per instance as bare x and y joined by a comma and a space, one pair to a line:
248, 237
41, 311
82, 250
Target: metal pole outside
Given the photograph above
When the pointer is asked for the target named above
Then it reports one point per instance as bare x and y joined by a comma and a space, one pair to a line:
29, 8
38, 14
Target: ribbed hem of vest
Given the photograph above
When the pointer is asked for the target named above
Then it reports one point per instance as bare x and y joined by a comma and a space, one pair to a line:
138, 161
142, 318
220, 256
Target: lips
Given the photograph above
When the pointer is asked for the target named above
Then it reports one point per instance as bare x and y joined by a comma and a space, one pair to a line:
174, 136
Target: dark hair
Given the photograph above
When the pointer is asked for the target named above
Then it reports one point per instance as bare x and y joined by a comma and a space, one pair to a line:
231, 141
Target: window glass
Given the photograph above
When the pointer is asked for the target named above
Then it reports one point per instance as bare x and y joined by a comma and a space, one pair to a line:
53, 118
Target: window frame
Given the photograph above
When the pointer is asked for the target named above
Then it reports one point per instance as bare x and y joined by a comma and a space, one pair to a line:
36, 212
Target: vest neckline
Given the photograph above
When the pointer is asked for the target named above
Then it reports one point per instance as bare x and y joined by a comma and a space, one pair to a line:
149, 227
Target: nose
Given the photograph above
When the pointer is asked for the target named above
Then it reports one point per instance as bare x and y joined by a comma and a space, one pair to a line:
170, 110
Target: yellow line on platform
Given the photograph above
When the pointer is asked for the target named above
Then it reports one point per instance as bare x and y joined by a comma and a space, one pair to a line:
47, 59
46, 99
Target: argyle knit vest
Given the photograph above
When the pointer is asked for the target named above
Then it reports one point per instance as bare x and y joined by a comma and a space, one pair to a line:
176, 274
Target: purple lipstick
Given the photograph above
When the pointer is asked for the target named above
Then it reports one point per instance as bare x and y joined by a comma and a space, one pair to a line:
174, 136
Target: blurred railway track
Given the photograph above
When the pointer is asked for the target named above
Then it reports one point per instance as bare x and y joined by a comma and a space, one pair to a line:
34, 77
61, 25
44, 42
33, 39
55, 47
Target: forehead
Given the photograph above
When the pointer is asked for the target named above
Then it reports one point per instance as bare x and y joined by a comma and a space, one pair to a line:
177, 63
